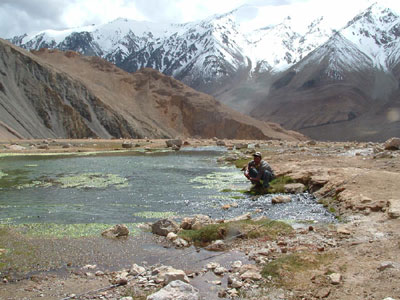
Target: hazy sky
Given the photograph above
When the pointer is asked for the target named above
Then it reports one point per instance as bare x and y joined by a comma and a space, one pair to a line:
27, 16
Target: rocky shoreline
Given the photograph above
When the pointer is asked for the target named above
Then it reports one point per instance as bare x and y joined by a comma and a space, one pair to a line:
354, 259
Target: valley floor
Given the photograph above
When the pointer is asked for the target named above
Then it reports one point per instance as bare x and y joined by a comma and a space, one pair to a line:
357, 258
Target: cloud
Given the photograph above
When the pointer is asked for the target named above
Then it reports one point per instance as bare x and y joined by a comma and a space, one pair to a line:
28, 16
20, 16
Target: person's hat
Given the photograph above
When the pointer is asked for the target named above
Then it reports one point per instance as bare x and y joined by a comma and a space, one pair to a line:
257, 154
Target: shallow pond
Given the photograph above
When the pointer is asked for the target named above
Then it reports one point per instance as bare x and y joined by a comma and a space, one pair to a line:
133, 188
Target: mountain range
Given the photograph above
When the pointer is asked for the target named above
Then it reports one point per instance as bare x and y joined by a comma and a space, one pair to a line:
328, 83
63, 94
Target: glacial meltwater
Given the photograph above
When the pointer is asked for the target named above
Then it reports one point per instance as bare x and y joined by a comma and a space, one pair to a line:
133, 188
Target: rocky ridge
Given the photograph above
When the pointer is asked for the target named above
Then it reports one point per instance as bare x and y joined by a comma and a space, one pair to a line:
328, 83
49, 93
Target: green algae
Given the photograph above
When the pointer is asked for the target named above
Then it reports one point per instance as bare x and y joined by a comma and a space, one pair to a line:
216, 180
52, 230
85, 153
155, 214
14, 178
92, 180
79, 181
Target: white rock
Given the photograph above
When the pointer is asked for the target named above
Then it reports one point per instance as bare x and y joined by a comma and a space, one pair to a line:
281, 199
212, 265
394, 208
335, 278
218, 245
136, 270
176, 290
90, 267
171, 236
251, 274
236, 265
118, 230
220, 271
167, 274
180, 243
294, 188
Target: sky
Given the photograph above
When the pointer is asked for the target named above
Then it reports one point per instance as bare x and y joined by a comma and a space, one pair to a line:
28, 16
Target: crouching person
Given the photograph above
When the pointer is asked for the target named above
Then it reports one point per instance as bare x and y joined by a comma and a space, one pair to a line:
259, 171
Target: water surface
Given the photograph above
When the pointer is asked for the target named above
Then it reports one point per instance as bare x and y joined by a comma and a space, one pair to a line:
133, 188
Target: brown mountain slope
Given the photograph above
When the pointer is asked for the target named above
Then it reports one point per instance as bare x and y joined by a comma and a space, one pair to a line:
63, 94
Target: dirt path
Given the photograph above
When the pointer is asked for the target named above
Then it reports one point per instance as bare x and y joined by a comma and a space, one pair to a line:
363, 249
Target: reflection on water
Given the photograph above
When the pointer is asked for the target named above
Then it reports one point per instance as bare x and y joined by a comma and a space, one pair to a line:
131, 188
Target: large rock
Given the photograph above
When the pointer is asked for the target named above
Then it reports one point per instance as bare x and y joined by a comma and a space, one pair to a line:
176, 142
197, 222
294, 188
176, 290
281, 199
394, 208
392, 144
127, 145
118, 230
164, 226
167, 274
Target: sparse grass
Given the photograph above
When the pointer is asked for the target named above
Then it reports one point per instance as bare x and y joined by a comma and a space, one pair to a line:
282, 270
249, 229
241, 162
19, 255
137, 294
278, 184
330, 204
237, 197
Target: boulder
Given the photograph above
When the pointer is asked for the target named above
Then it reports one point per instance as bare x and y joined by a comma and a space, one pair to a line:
251, 274
218, 245
239, 146
388, 265
167, 274
172, 236
176, 290
180, 243
394, 208
335, 278
16, 147
281, 199
136, 270
236, 265
220, 143
127, 145
176, 142
119, 230
294, 188
164, 226
212, 265
244, 217
384, 154
196, 223
220, 271
392, 144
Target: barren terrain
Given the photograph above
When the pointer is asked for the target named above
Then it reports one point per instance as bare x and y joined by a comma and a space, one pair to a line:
357, 258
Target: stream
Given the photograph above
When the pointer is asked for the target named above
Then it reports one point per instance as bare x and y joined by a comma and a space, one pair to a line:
134, 188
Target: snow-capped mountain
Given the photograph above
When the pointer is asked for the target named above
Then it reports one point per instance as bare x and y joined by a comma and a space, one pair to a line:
196, 53
258, 71
376, 32
214, 48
